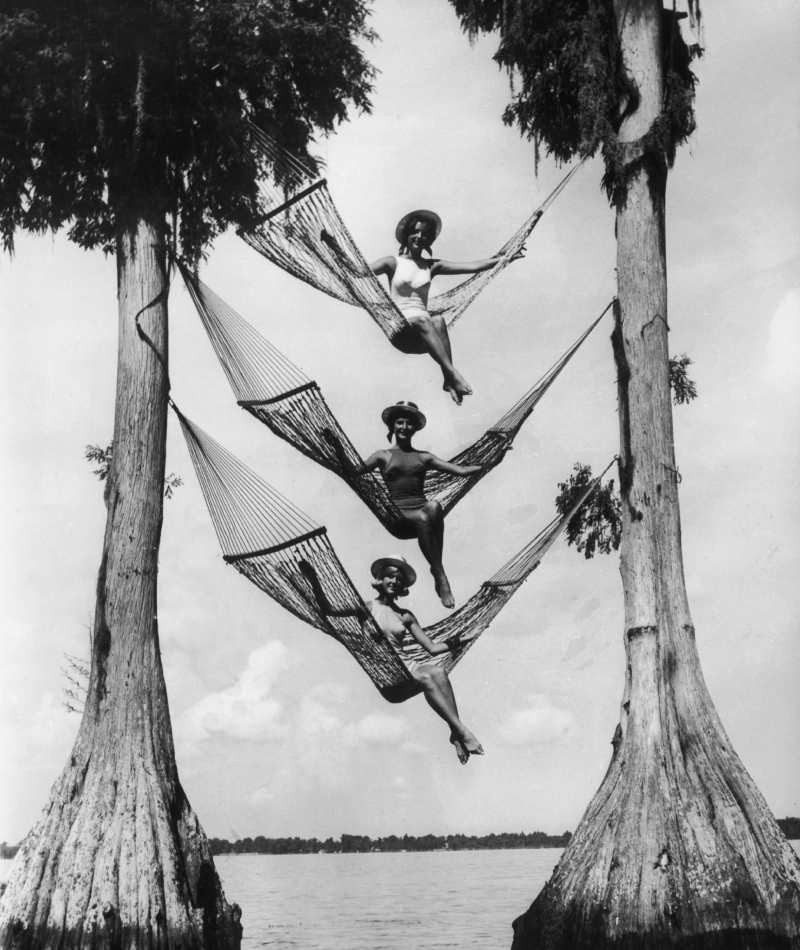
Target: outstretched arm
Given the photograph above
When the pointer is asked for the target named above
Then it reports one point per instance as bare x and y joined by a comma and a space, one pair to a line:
440, 465
376, 460
422, 638
451, 268
348, 466
325, 606
384, 265
344, 261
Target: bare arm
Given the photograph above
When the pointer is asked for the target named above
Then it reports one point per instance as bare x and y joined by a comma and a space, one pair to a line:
384, 265
440, 465
421, 637
376, 460
373, 462
451, 268
325, 606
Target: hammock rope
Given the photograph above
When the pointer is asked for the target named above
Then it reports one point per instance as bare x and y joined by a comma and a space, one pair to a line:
304, 234
284, 553
291, 405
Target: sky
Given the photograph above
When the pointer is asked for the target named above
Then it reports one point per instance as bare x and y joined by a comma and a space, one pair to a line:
277, 730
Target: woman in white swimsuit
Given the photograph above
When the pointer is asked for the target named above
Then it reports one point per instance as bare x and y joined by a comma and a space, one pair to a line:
393, 576
410, 276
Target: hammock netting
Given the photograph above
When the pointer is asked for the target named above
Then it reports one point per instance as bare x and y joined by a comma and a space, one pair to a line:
305, 236
281, 396
273, 544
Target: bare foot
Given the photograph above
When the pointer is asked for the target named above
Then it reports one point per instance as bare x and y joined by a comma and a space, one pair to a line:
442, 586
461, 752
471, 744
449, 388
457, 386
461, 386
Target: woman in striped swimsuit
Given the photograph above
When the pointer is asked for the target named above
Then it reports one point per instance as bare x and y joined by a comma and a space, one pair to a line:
393, 577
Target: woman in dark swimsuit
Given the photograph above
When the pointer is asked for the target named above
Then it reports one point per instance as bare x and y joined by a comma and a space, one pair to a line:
403, 470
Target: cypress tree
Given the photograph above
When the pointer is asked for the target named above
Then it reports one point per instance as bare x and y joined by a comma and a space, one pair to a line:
127, 123
678, 847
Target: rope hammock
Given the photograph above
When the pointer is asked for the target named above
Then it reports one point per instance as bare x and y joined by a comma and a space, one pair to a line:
273, 544
281, 396
305, 236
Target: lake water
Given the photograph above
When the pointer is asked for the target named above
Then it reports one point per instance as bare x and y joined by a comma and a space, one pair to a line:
413, 901
402, 901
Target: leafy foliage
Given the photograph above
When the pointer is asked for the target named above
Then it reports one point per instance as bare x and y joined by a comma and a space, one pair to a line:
684, 390
568, 84
76, 673
596, 527
102, 458
105, 102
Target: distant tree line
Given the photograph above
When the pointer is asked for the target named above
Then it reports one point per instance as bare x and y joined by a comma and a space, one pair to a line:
790, 827
354, 844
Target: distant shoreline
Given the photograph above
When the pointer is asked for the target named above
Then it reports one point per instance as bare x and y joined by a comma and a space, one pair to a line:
363, 844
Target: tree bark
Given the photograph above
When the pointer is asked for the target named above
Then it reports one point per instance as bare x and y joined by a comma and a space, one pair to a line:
118, 858
677, 848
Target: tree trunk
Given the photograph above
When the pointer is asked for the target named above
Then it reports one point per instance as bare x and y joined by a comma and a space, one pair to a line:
677, 848
118, 858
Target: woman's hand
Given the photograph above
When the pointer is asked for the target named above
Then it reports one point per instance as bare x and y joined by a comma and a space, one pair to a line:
458, 640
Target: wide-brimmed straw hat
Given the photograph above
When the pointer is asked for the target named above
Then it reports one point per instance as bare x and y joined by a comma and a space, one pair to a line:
403, 408
394, 560
431, 217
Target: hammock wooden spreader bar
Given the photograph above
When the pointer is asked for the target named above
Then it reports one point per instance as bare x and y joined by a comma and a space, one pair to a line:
272, 543
303, 234
280, 395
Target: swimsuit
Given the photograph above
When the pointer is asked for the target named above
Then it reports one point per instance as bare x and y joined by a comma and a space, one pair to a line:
390, 623
405, 479
409, 287
393, 629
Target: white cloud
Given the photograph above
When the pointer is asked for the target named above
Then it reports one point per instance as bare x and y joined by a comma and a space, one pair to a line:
315, 719
376, 728
539, 724
245, 710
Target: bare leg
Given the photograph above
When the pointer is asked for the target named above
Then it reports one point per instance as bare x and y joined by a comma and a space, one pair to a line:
429, 522
433, 682
449, 695
438, 345
440, 326
461, 752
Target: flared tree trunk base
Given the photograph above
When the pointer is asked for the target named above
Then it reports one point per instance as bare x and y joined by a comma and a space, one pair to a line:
678, 848
550, 924
117, 860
